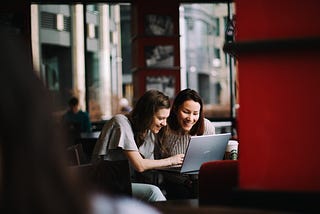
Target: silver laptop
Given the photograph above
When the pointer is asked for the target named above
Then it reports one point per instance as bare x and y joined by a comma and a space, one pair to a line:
202, 149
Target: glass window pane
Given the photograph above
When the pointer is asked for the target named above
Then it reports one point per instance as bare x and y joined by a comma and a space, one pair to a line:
78, 50
208, 71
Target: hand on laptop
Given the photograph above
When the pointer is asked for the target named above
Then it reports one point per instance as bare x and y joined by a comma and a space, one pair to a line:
176, 160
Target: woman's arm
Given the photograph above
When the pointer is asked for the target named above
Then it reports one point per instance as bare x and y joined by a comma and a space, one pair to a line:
140, 164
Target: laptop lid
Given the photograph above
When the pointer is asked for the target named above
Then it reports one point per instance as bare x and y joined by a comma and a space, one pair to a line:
202, 149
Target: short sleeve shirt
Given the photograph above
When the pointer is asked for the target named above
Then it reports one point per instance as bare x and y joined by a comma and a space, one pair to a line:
147, 148
116, 136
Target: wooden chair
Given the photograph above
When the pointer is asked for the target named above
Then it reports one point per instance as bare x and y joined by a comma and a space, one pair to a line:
76, 155
217, 180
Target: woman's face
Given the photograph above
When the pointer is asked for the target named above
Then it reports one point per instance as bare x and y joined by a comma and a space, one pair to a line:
159, 120
188, 114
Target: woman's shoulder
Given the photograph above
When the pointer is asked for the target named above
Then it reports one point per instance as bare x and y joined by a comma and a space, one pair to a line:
120, 119
209, 127
206, 120
117, 121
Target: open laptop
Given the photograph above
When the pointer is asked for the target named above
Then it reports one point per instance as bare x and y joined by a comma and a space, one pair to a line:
201, 149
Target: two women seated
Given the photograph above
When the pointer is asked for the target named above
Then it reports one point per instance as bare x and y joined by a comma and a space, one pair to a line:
152, 126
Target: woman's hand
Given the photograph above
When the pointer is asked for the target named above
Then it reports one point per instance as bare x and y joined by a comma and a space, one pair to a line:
176, 160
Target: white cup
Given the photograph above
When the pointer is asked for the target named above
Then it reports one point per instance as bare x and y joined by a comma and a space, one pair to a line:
232, 150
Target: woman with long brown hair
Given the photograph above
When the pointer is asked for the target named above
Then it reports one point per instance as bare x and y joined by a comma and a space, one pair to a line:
185, 120
132, 137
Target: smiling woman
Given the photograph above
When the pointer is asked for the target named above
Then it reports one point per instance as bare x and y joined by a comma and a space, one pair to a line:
186, 119
132, 137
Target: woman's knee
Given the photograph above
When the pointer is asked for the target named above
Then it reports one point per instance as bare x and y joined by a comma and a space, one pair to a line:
155, 193
147, 192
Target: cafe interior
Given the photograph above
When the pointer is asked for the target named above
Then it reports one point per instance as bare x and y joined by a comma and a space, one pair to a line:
254, 63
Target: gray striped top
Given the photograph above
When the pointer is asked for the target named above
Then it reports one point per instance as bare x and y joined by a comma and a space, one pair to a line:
177, 143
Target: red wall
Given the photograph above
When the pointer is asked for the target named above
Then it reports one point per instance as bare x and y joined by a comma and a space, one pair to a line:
265, 19
279, 94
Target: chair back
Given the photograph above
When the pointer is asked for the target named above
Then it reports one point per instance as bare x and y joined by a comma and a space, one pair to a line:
217, 180
73, 130
110, 177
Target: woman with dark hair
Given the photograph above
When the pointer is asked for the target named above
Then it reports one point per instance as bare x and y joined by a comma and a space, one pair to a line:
185, 120
132, 137
34, 177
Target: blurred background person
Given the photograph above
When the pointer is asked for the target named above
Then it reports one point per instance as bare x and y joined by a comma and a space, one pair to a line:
75, 121
76, 116
124, 106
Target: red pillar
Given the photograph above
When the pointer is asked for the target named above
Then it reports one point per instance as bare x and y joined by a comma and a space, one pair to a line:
279, 94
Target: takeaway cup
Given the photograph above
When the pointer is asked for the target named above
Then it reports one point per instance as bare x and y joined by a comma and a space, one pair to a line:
231, 150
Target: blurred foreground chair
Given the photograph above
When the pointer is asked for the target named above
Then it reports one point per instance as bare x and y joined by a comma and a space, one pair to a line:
109, 177
218, 185
217, 180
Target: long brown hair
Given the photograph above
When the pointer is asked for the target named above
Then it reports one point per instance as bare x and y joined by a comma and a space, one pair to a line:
143, 111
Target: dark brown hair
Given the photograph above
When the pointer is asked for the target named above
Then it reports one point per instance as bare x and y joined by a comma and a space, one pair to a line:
143, 111
73, 101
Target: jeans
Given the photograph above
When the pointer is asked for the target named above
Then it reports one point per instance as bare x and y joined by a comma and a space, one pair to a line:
147, 192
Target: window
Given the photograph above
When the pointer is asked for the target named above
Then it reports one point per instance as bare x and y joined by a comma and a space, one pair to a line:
207, 69
84, 60
93, 60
